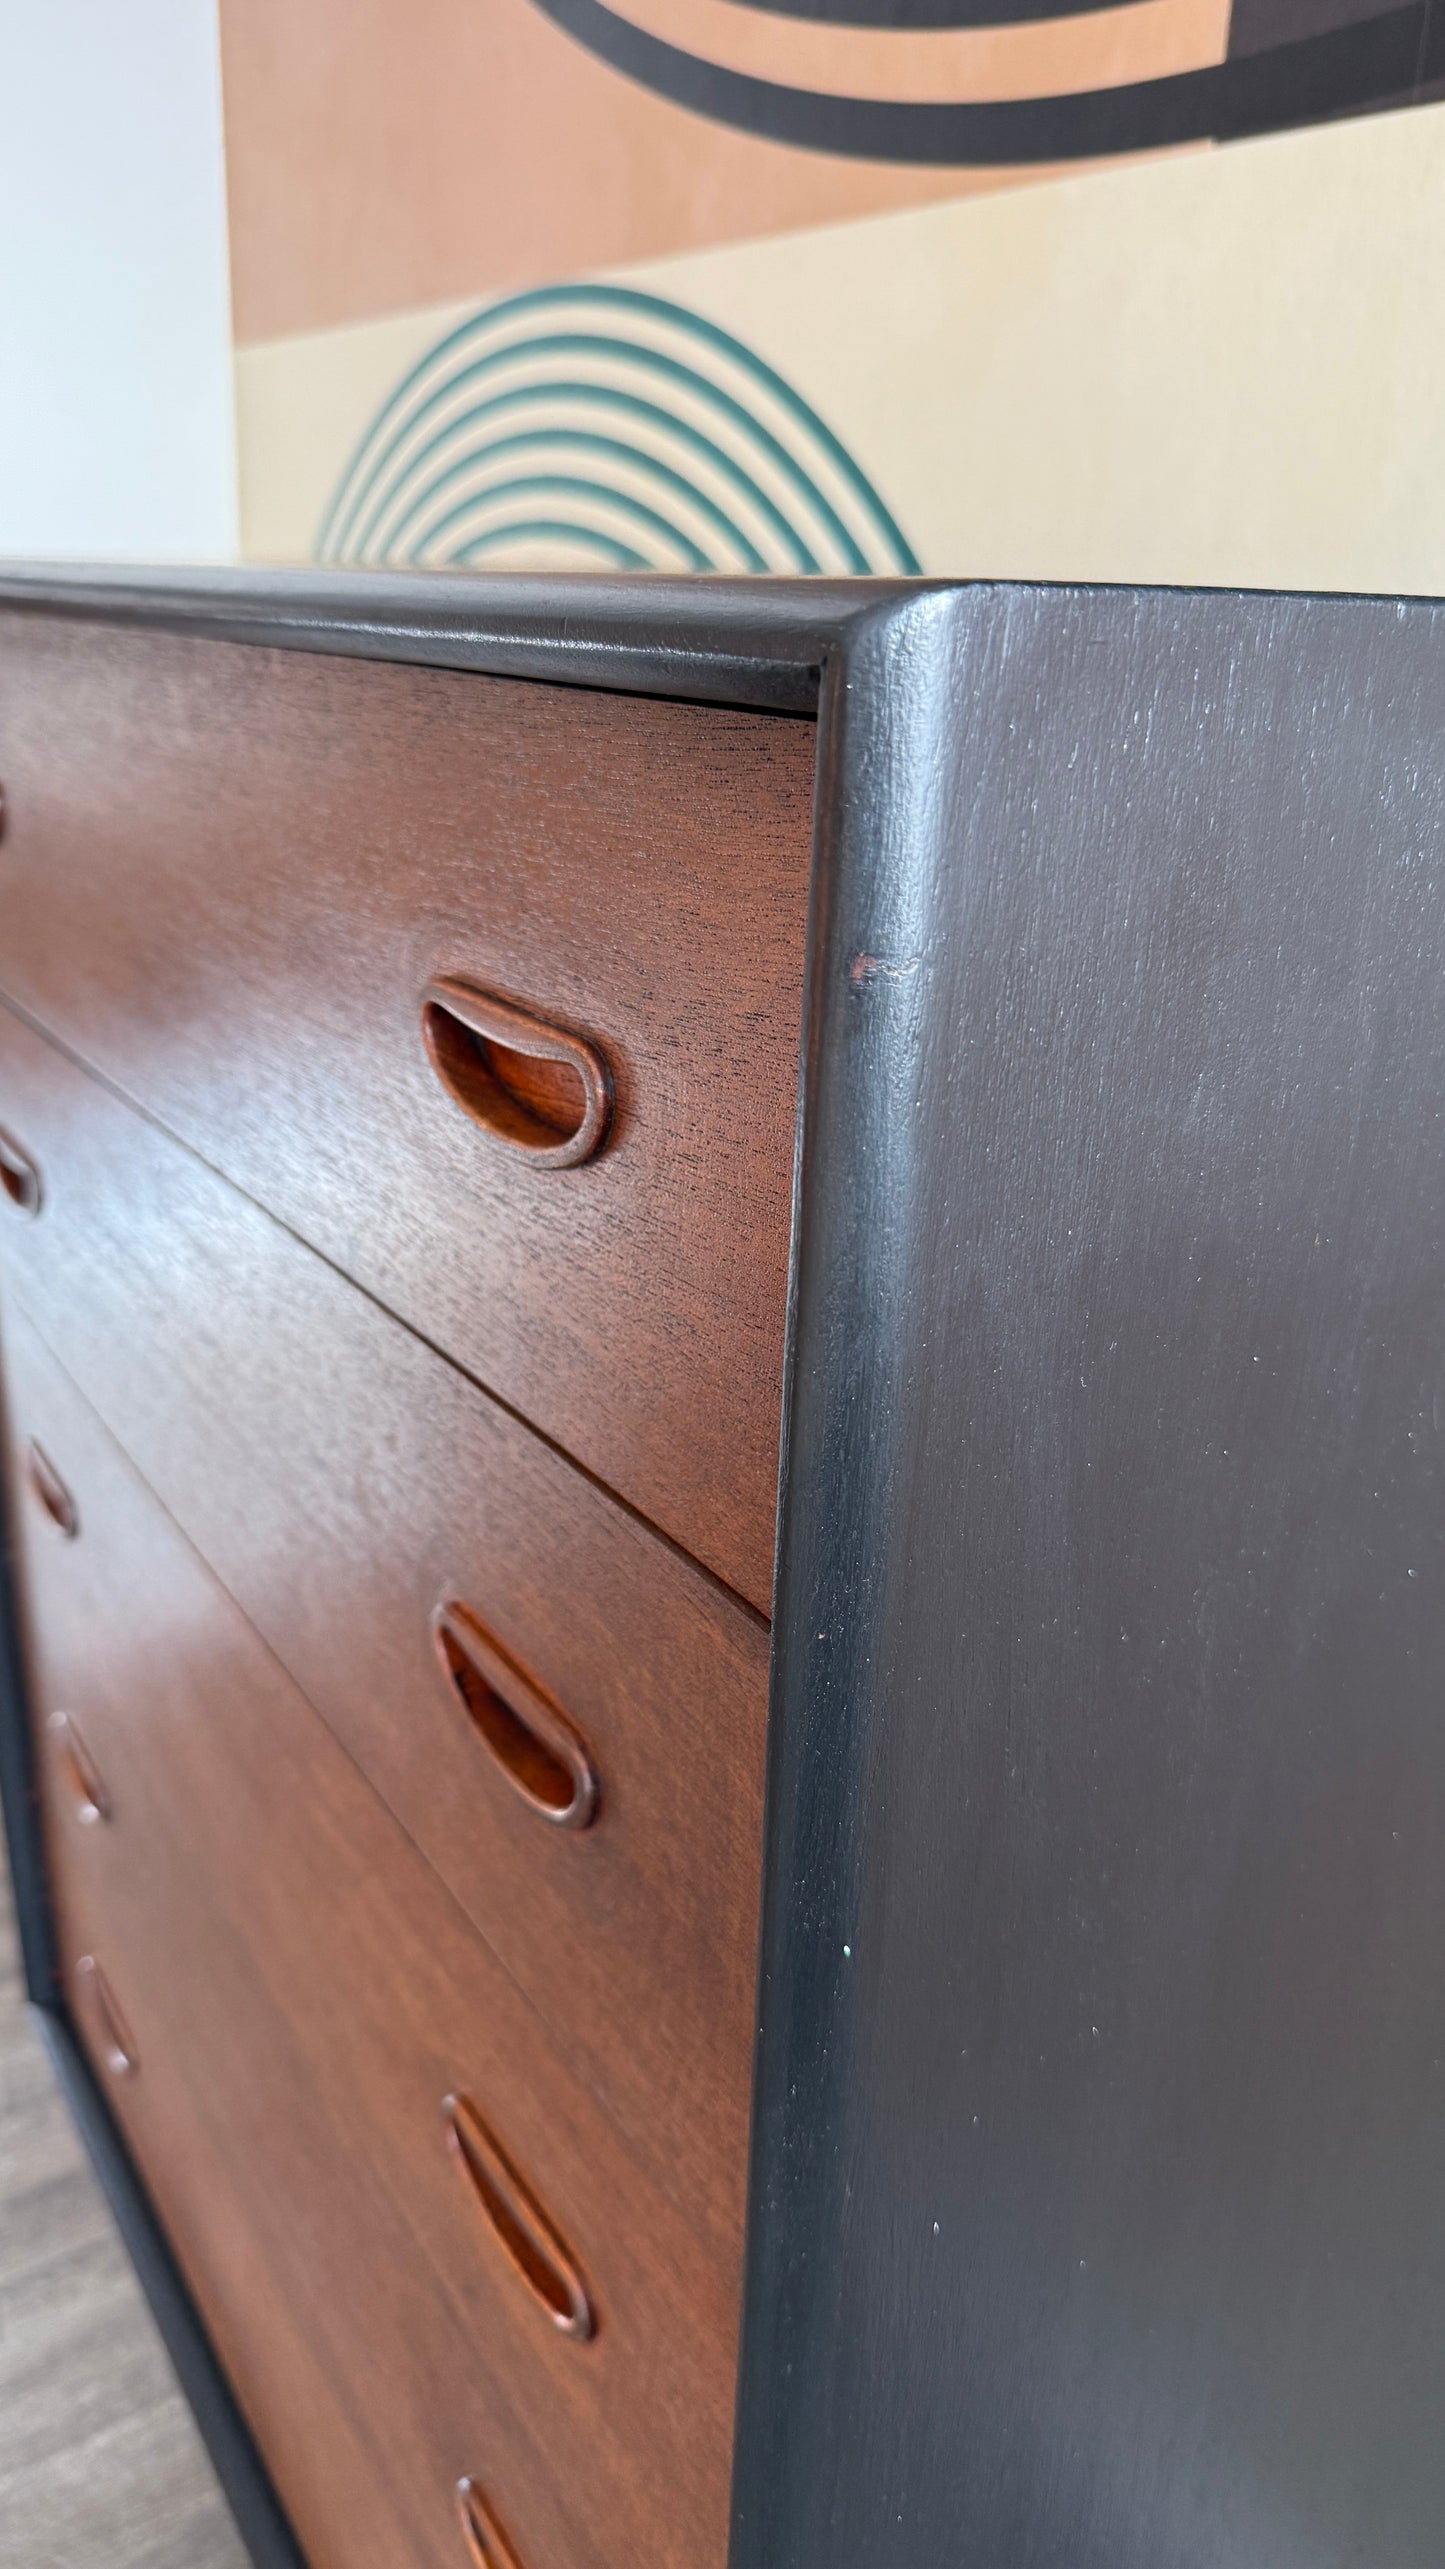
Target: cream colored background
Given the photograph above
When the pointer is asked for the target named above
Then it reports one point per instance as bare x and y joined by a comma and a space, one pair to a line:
1220, 366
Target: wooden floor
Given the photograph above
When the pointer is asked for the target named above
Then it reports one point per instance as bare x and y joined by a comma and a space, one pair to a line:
100, 2466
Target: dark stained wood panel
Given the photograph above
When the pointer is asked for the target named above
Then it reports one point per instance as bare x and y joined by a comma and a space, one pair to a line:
343, 1480
229, 876
1122, 1774
298, 1994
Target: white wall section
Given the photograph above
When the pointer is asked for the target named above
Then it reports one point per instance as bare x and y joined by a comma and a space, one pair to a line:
117, 434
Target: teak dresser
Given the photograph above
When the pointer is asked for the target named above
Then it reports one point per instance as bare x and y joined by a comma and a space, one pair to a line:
637, 2010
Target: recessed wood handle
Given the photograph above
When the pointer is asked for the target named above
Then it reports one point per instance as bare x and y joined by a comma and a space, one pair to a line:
98, 1999
19, 1176
50, 1490
517, 2222
82, 1776
487, 2544
542, 1090
541, 1754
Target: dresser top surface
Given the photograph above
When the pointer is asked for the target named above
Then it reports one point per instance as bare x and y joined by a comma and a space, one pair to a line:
757, 642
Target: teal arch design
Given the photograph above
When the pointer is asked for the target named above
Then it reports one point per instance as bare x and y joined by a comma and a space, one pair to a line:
583, 424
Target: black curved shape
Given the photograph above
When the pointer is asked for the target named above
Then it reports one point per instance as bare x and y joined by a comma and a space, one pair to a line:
1297, 84
918, 15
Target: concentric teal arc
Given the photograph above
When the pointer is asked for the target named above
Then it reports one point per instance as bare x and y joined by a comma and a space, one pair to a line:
603, 396
572, 440
380, 492
586, 423
576, 488
622, 557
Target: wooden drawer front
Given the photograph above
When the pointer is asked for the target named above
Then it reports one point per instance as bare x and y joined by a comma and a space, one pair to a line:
228, 878
344, 1481
284, 1996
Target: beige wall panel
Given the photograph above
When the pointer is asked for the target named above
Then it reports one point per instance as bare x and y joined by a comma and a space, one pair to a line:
1225, 366
302, 405
1215, 367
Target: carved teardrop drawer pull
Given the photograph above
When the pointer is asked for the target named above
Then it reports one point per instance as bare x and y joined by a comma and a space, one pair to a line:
83, 1778
542, 1090
517, 2221
50, 1490
487, 2544
19, 1176
98, 2001
540, 1752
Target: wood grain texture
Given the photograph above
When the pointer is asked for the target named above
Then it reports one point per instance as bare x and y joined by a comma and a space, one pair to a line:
1097, 2211
100, 2465
343, 1480
302, 1995
227, 879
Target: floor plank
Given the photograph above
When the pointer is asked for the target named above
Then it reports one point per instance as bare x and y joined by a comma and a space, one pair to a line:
100, 2464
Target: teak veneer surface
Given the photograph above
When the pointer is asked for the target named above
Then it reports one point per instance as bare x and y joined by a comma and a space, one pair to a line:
342, 1479
301, 1994
228, 876
1096, 2212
